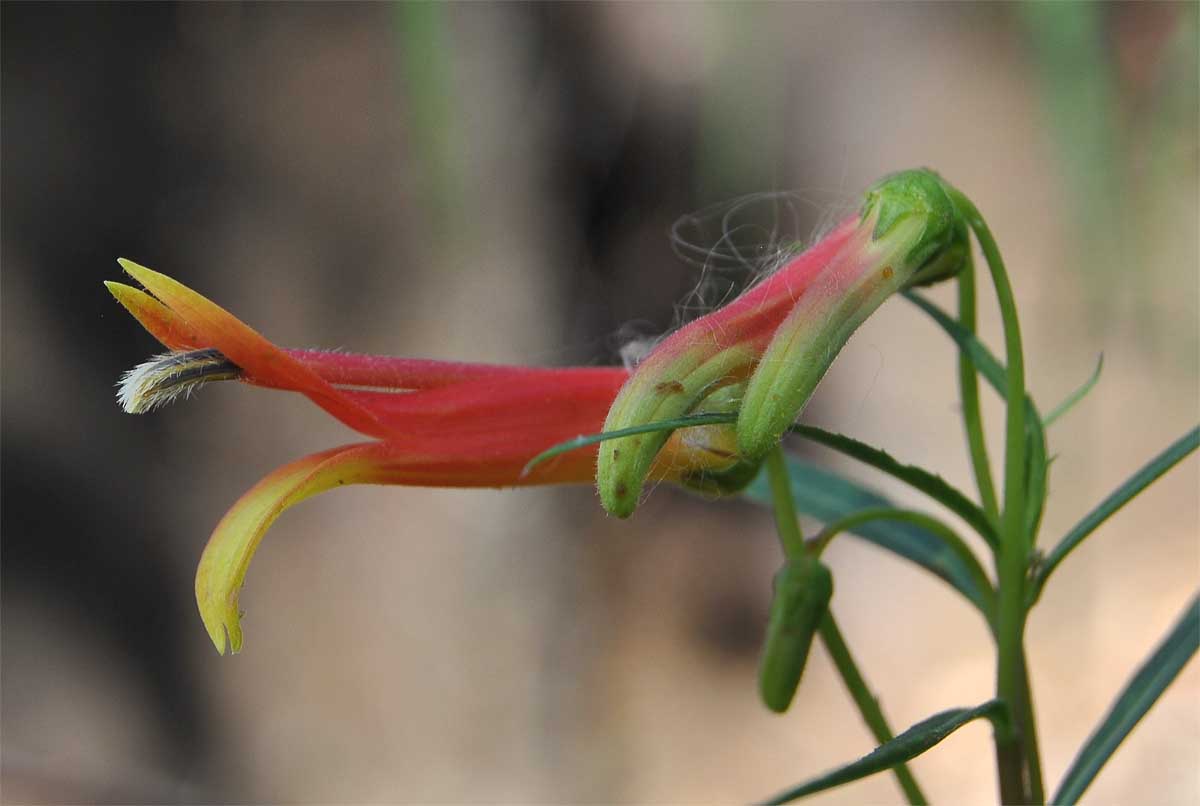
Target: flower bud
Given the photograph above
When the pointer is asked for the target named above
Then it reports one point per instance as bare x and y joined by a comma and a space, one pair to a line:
783, 333
915, 236
714, 352
803, 588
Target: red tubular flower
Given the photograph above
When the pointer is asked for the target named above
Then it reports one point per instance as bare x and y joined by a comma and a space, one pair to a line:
433, 423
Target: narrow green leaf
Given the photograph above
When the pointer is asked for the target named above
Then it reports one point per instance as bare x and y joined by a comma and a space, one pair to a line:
1151, 680
584, 440
1119, 497
989, 367
1076, 396
908, 745
932, 485
996, 375
828, 497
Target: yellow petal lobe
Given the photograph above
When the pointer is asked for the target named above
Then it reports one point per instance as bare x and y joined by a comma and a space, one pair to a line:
227, 556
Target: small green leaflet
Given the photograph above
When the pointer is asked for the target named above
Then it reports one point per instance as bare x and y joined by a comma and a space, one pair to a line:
908, 745
931, 484
1076, 396
1135, 484
584, 440
1140, 694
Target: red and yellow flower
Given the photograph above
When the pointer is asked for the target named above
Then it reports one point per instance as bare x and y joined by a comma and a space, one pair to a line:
432, 423
448, 424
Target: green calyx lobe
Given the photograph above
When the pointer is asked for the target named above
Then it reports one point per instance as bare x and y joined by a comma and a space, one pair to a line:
941, 249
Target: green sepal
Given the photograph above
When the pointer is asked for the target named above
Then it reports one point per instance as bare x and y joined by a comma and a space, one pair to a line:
803, 588
942, 248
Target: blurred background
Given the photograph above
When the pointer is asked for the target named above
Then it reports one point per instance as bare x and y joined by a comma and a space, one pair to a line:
497, 183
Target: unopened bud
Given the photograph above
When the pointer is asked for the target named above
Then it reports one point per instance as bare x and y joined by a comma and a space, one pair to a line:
803, 588
916, 236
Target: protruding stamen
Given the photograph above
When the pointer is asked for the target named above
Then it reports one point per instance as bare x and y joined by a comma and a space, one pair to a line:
165, 377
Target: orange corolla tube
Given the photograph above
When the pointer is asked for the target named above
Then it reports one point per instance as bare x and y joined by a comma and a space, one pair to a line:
432, 423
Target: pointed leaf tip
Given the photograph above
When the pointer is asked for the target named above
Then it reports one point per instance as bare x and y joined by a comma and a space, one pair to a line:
921, 737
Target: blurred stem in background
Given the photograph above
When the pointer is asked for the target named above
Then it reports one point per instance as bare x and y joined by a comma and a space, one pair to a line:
741, 102
426, 85
1166, 198
1074, 68
1178, 104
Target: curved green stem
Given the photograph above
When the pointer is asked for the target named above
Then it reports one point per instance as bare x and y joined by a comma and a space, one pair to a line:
788, 526
868, 706
931, 524
968, 384
1011, 682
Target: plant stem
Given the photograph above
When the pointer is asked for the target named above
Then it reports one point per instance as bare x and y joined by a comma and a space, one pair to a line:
968, 384
787, 524
868, 706
1033, 752
1015, 749
788, 527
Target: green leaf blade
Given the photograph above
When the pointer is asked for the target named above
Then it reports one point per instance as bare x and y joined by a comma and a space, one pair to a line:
1138, 696
908, 745
585, 440
931, 484
989, 367
994, 372
1119, 497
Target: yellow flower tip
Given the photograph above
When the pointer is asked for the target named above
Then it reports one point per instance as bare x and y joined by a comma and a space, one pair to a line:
132, 299
167, 289
226, 559
222, 620
158, 284
135, 269
118, 290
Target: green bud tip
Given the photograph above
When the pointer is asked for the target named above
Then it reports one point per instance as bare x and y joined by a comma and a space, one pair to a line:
803, 588
941, 249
